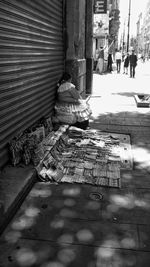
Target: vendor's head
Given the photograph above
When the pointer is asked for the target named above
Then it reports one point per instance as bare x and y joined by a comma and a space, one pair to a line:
66, 77
132, 51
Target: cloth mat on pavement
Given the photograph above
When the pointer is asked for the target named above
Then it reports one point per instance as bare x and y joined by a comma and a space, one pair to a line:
86, 156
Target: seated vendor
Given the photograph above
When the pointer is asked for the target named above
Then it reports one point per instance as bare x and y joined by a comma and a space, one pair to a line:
70, 107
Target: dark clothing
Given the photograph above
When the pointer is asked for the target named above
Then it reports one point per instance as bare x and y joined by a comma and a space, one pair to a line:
133, 60
83, 124
109, 65
123, 56
118, 61
132, 71
101, 54
126, 62
133, 63
95, 64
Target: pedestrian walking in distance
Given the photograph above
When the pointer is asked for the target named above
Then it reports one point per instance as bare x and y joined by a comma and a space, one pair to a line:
110, 61
100, 63
133, 64
126, 64
118, 58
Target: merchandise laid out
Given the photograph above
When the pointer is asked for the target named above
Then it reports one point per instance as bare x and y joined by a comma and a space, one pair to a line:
73, 155
26, 147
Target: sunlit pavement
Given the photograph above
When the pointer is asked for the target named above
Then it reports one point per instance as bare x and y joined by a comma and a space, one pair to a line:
114, 108
121, 83
63, 226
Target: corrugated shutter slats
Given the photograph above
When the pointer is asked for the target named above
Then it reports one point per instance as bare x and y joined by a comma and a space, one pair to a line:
31, 62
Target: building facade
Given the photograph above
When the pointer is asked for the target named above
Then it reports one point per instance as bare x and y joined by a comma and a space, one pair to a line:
146, 32
143, 33
114, 23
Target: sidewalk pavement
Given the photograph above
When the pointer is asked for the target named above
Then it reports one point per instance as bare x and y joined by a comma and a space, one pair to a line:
114, 108
83, 225
15, 183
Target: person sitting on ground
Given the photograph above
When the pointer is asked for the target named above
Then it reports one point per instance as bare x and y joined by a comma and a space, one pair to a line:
70, 107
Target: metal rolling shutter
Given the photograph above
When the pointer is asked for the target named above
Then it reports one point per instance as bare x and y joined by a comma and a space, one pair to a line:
31, 61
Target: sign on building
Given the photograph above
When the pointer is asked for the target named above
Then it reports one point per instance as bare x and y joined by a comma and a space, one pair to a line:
100, 6
101, 25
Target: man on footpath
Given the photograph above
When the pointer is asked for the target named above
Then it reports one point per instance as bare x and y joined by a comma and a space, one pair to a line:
133, 64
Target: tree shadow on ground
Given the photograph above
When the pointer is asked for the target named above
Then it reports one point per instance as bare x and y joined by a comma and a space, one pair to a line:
122, 119
50, 229
129, 94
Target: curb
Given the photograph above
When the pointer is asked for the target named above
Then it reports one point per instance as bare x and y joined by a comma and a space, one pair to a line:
18, 200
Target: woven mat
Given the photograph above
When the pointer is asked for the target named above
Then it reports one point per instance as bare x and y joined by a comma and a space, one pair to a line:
90, 156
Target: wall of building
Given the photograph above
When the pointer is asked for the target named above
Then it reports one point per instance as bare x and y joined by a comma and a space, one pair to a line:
146, 32
77, 42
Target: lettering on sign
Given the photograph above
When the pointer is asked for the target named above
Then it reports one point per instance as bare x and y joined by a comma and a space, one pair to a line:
100, 6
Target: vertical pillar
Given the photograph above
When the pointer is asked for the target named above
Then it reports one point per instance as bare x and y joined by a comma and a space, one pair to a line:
75, 47
89, 46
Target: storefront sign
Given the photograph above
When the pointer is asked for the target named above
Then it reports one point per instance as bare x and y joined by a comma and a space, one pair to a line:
100, 6
101, 25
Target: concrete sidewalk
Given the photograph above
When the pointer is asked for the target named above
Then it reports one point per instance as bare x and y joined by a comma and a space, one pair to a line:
83, 225
115, 110
15, 183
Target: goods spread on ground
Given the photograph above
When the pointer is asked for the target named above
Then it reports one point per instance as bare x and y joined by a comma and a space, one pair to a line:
73, 155
84, 156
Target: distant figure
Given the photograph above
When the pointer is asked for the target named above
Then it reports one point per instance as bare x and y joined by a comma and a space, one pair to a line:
133, 64
96, 59
118, 58
123, 56
100, 63
126, 63
143, 58
109, 64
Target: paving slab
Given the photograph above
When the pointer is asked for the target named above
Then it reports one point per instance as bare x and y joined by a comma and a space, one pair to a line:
143, 259
126, 206
15, 183
42, 253
61, 199
144, 237
138, 178
57, 219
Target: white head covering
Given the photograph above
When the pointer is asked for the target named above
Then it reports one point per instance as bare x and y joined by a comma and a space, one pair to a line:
65, 86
